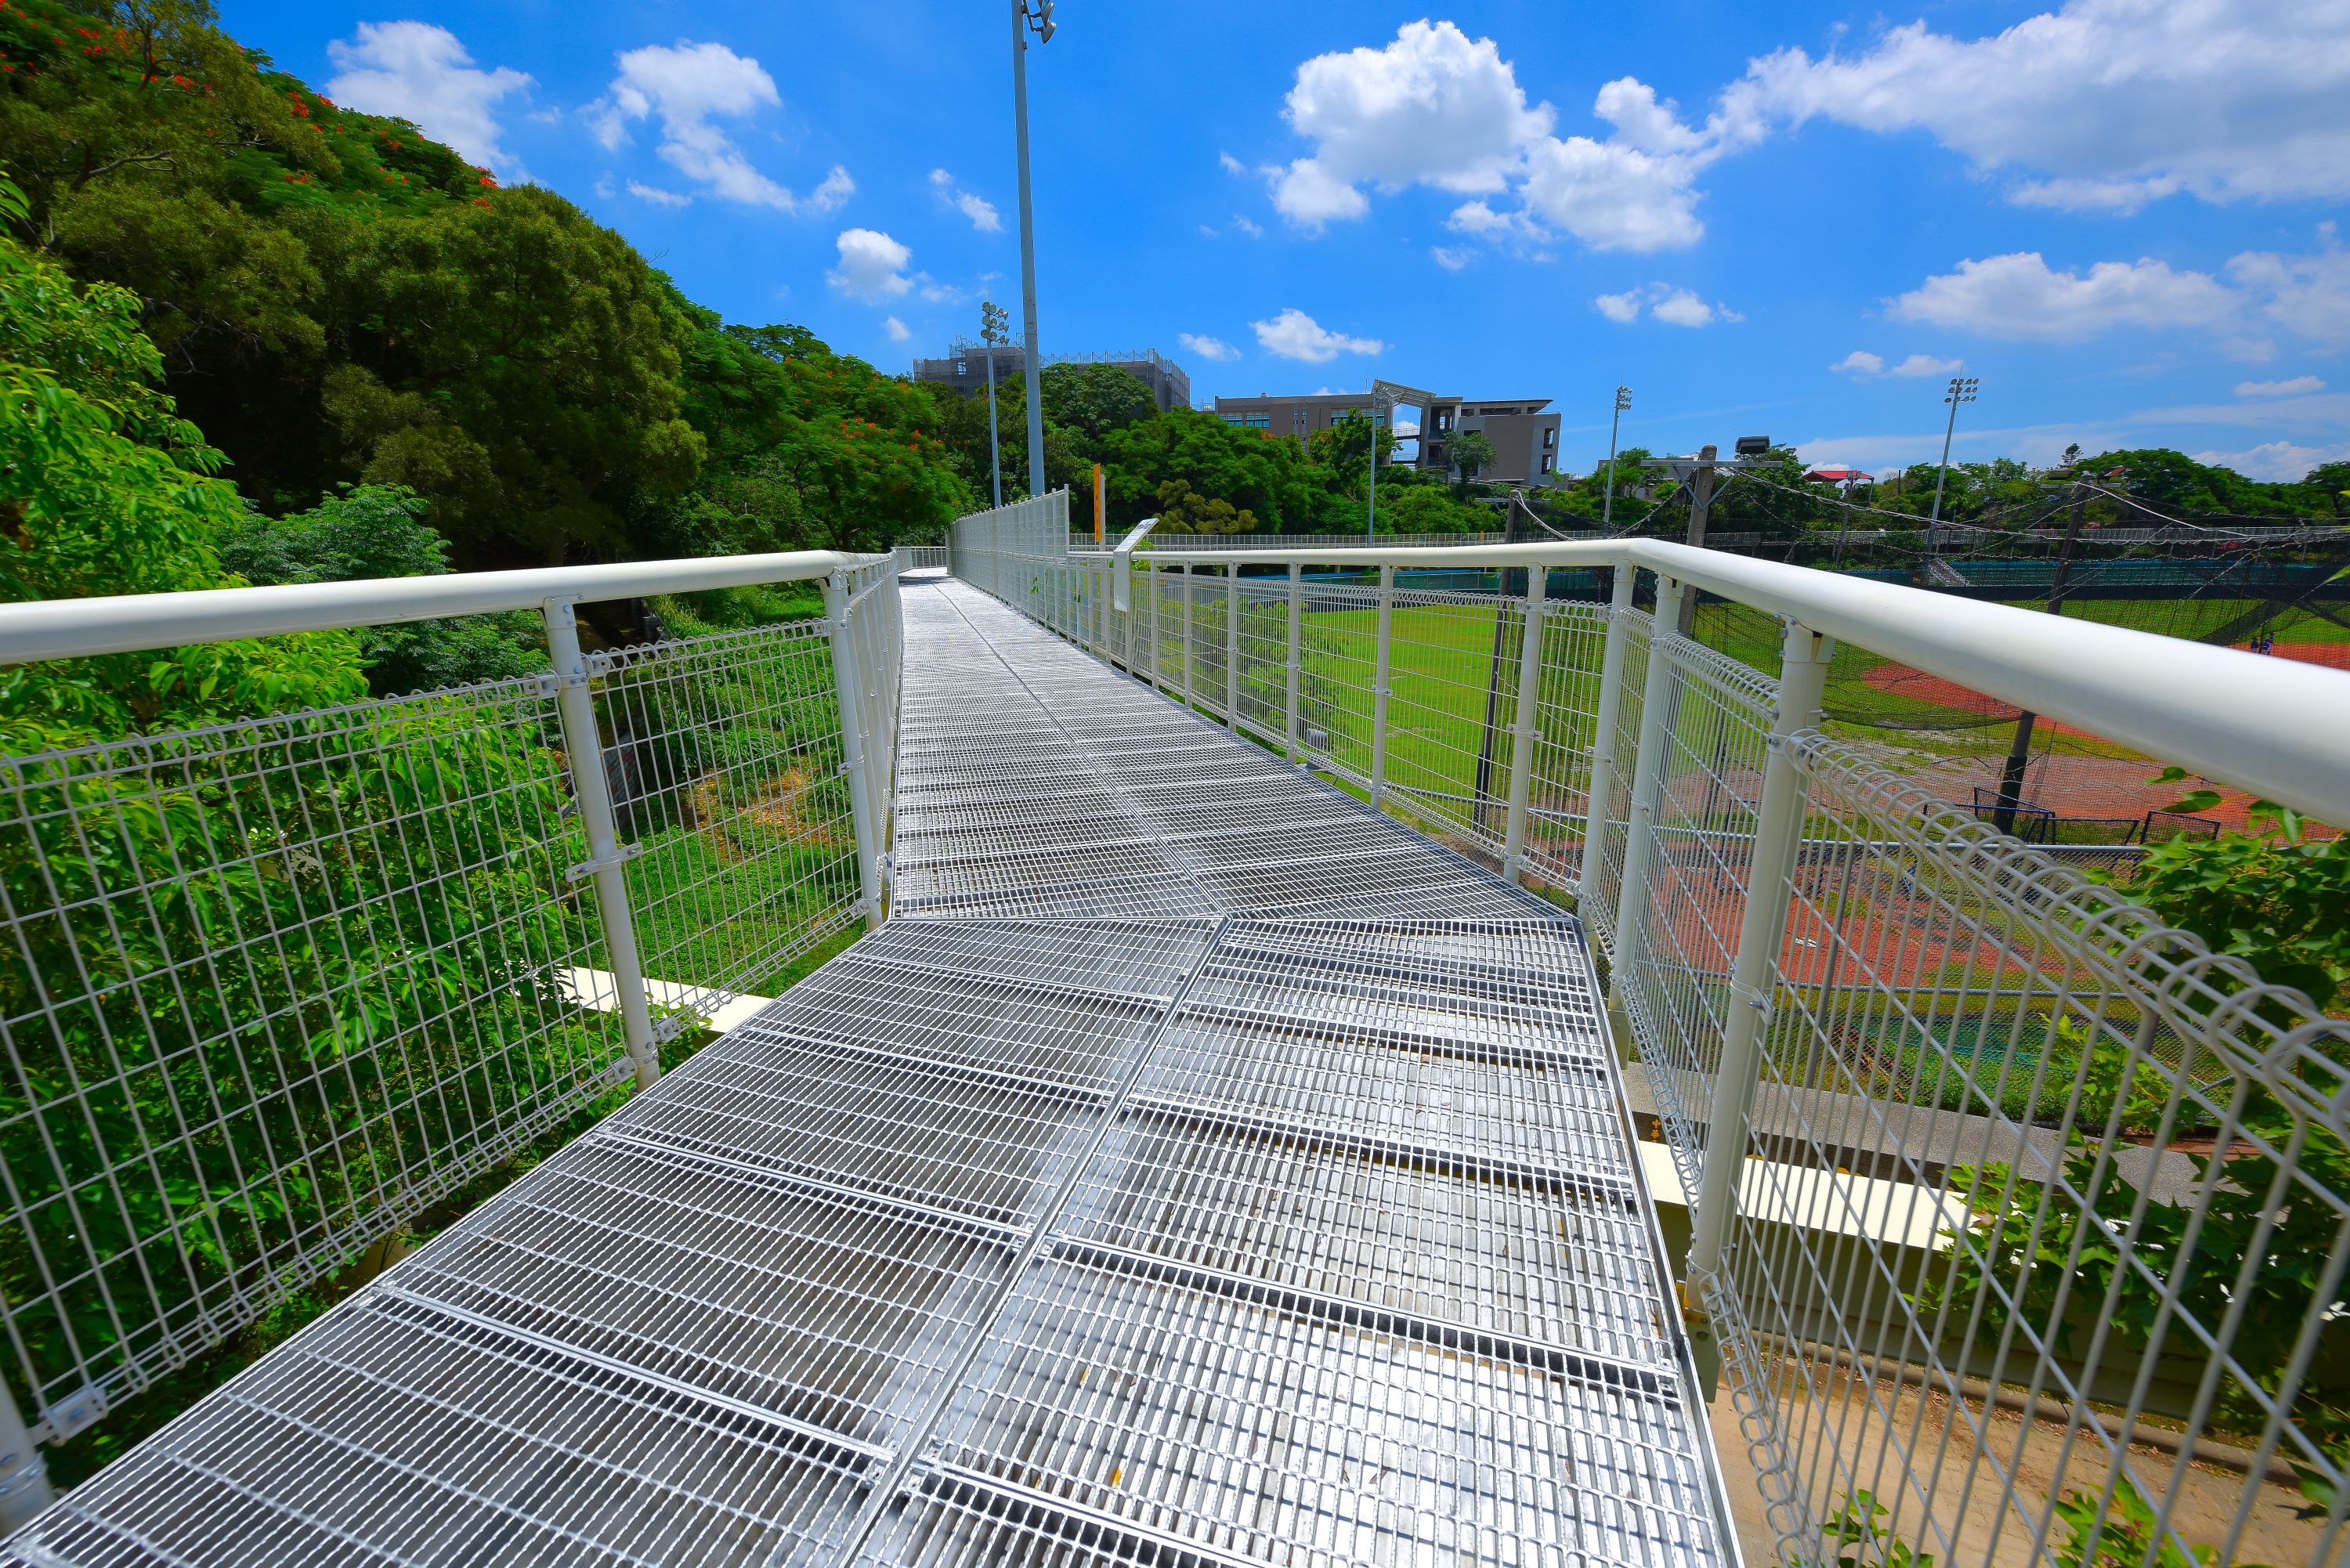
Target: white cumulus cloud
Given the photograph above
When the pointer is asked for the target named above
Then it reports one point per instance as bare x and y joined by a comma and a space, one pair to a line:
1452, 258
897, 329
2020, 295
1436, 108
1293, 334
657, 196
1624, 307
1432, 108
1674, 306
687, 86
1862, 364
2277, 460
1205, 347
981, 211
2278, 389
2103, 105
418, 72
872, 266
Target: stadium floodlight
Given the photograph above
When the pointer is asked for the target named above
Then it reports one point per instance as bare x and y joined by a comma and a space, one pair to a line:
1608, 502
1962, 391
994, 327
1753, 446
1024, 20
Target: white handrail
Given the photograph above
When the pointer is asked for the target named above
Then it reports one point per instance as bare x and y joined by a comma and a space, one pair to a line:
129, 623
2278, 727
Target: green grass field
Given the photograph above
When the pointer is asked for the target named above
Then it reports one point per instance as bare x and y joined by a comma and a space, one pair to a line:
1444, 671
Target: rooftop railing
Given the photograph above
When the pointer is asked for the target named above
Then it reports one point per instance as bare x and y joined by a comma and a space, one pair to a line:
2019, 1222
273, 987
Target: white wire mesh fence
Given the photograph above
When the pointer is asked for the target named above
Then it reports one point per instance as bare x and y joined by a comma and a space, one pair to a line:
2020, 1224
269, 988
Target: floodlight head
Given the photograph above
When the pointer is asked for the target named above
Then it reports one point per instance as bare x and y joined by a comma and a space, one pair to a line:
1623, 399
1753, 446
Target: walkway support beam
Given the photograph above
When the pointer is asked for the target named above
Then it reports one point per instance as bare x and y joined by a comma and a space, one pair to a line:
1385, 636
1761, 929
1523, 731
1648, 782
607, 863
1296, 660
848, 689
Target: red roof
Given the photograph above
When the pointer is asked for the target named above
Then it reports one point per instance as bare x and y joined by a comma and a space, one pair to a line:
1840, 477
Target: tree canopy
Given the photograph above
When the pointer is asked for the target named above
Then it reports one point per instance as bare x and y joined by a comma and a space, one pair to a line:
335, 298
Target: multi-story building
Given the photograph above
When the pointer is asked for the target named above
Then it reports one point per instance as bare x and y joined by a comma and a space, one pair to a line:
1524, 437
964, 368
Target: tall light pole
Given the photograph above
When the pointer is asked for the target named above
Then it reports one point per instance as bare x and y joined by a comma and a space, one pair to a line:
1608, 505
1962, 391
994, 327
1023, 23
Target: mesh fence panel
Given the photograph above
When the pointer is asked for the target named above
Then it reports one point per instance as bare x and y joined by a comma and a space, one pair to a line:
727, 772
268, 988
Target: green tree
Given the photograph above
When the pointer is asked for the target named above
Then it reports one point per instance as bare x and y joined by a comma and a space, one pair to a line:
1254, 472
104, 490
1182, 512
518, 365
1089, 402
376, 531
1471, 454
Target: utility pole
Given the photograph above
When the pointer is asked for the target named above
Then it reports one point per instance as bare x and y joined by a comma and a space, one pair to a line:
1022, 23
1962, 391
2019, 749
1700, 503
994, 327
1608, 502
1700, 473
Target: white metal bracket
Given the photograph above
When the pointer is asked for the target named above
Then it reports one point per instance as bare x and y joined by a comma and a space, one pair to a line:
1753, 998
620, 856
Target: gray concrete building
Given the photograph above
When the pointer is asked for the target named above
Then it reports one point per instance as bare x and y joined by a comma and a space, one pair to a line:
1525, 436
964, 368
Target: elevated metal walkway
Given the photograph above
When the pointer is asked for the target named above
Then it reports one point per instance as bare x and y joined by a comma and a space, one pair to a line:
1196, 1168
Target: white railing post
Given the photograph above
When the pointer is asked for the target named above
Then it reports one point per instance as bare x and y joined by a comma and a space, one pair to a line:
1647, 779
607, 861
847, 690
1296, 660
1150, 575
1762, 928
1609, 715
1190, 647
1380, 690
1521, 732
1232, 647
1102, 614
24, 1474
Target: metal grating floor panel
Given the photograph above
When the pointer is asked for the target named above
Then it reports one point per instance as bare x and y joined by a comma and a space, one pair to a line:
1196, 1168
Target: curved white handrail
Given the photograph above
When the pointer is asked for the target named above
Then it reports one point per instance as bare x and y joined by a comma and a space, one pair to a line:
128, 623
2278, 727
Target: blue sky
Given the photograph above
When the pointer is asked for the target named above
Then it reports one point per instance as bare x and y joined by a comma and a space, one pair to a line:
1793, 220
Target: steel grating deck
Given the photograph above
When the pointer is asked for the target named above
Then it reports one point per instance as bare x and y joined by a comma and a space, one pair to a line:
1196, 1168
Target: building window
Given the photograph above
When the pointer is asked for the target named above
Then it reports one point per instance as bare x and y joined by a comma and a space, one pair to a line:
1445, 421
1546, 464
961, 368
1249, 421
1550, 439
